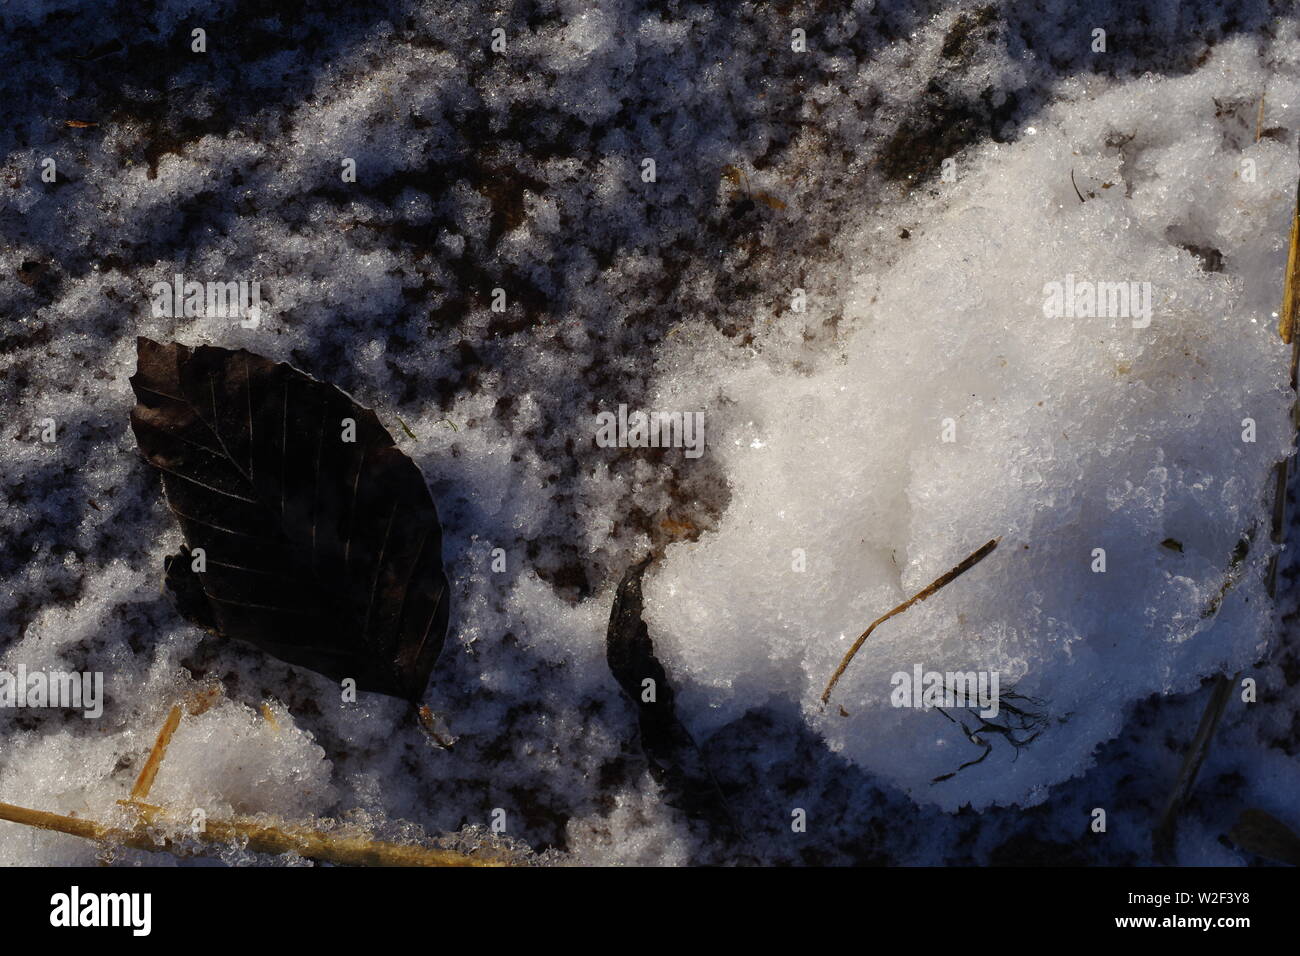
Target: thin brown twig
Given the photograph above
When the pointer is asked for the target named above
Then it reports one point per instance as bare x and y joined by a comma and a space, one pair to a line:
1290, 293
344, 849
1197, 751
1076, 187
149, 771
261, 837
939, 582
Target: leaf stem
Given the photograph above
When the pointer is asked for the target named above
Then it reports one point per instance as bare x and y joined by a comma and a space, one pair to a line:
916, 598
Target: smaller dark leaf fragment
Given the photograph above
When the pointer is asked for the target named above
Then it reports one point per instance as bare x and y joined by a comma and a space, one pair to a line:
1259, 832
675, 761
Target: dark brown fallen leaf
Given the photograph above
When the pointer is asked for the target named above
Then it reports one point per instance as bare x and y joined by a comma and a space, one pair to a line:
675, 761
323, 552
79, 124
1264, 834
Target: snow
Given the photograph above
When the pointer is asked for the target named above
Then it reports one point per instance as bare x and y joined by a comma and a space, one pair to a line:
522, 171
1068, 434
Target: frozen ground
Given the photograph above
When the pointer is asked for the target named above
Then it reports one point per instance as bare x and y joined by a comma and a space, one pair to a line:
522, 170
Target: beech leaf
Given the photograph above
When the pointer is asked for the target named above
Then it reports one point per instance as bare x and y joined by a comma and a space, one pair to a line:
674, 759
320, 543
